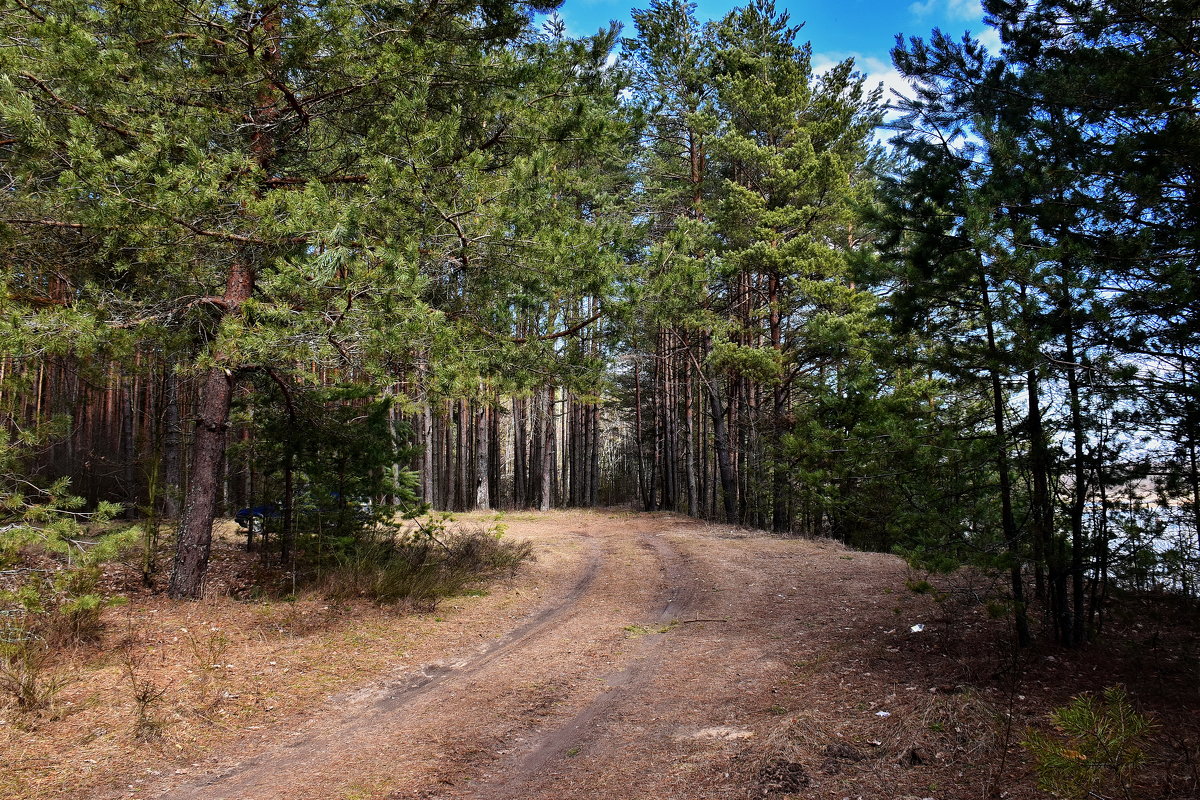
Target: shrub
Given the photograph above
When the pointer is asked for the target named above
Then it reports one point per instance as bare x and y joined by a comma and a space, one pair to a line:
60, 608
1097, 746
26, 679
147, 696
422, 568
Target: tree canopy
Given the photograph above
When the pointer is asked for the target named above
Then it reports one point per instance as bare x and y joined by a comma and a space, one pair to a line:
680, 269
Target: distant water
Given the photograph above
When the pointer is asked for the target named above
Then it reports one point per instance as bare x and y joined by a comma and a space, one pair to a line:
1151, 546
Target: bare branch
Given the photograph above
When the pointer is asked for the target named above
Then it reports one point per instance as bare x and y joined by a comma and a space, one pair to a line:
199, 231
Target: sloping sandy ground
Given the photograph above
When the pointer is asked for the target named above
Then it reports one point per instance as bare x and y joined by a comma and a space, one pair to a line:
641, 656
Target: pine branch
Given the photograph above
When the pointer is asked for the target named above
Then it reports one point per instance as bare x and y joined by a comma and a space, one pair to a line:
83, 112
546, 337
169, 37
329, 180
49, 223
199, 231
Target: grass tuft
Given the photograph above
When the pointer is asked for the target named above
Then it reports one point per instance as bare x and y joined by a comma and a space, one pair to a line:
423, 571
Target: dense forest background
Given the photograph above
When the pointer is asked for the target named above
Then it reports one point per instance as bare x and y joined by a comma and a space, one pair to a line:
304, 253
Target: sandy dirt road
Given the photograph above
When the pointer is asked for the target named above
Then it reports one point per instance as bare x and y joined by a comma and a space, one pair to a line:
644, 656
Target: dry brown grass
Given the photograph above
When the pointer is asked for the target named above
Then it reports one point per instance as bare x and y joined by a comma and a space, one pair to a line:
157, 681
940, 733
797, 645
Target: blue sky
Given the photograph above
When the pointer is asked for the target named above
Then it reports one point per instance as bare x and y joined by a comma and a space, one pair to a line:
864, 29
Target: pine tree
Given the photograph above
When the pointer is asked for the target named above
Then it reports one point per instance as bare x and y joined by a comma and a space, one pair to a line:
795, 166
752, 169
247, 174
1044, 171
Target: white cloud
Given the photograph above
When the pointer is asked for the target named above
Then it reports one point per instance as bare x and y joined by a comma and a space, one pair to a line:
952, 9
990, 38
876, 70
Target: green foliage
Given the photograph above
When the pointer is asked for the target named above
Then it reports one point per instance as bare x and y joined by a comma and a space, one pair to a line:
42, 514
405, 189
423, 567
52, 552
754, 168
54, 608
920, 586
1020, 189
763, 364
1098, 745
58, 605
436, 201
341, 447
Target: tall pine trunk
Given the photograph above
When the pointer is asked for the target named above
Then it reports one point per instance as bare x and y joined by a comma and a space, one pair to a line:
212, 420
427, 456
594, 461
724, 463
129, 488
208, 451
1008, 521
689, 450
1042, 511
172, 473
643, 489
1079, 499
482, 456
520, 449
547, 452
208, 456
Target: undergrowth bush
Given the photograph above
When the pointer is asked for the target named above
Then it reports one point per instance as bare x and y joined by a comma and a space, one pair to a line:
422, 568
51, 550
1097, 745
27, 680
47, 615
50, 601
147, 695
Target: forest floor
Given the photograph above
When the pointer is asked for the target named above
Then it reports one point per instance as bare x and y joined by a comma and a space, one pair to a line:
639, 656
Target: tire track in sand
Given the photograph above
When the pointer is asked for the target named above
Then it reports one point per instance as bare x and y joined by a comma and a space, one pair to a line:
404, 733
680, 588
389, 706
